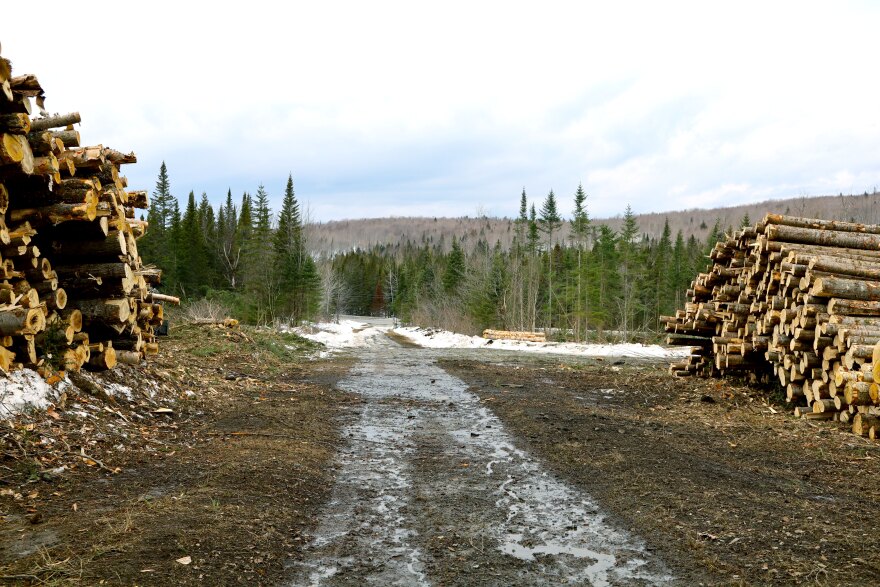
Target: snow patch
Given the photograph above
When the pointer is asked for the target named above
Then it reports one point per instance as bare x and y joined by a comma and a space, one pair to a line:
119, 390
342, 335
443, 339
24, 389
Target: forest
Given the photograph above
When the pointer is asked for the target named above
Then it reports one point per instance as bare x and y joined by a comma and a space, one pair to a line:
586, 282
591, 282
250, 261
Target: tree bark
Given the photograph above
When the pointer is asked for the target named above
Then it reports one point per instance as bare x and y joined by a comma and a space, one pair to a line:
18, 123
853, 240
21, 321
56, 121
850, 289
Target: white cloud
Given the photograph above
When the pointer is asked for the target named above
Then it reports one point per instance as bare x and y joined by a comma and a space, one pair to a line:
429, 108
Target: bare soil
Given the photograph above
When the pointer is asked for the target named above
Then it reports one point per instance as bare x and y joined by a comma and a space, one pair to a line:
727, 486
211, 474
223, 465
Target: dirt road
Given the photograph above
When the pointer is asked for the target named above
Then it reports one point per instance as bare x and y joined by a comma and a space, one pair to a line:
393, 465
432, 490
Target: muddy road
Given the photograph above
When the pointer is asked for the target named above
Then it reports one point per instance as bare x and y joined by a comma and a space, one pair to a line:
431, 489
386, 464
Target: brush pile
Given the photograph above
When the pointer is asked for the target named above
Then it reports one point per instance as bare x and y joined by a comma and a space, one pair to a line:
795, 300
73, 290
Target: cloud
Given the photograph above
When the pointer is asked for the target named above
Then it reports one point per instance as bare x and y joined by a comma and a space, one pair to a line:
406, 108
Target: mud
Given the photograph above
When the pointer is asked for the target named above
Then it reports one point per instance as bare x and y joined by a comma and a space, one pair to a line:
432, 489
720, 481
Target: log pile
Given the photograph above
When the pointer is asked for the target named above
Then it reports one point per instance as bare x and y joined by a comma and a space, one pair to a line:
793, 300
513, 335
73, 290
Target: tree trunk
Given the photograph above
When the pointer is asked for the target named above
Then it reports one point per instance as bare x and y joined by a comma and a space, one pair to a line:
56, 121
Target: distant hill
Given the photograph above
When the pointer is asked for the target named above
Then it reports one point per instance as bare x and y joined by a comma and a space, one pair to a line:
345, 235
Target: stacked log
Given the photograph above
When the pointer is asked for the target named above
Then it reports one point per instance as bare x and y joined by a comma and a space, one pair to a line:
797, 301
74, 292
514, 335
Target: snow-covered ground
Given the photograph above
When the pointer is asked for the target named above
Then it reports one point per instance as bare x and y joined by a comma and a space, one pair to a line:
25, 389
442, 339
346, 333
360, 332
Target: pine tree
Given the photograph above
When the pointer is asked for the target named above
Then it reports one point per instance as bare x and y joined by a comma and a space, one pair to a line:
680, 271
660, 271
262, 285
603, 285
192, 260
534, 237
550, 222
580, 221
630, 271
229, 247
522, 223
156, 244
455, 268
580, 229
289, 253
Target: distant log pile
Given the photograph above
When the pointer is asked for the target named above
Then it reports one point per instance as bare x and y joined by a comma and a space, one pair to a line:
512, 335
73, 290
794, 299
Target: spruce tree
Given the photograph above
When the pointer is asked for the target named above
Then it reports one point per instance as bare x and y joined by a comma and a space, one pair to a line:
580, 229
534, 236
550, 222
155, 245
455, 268
630, 271
289, 253
522, 223
262, 285
192, 260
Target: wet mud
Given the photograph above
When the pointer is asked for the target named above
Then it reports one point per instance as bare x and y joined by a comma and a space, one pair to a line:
431, 489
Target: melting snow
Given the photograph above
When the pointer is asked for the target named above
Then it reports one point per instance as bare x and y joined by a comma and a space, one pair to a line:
442, 339
345, 334
353, 333
24, 389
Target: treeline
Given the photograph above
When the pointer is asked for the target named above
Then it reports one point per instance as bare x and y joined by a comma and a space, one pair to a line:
592, 282
252, 260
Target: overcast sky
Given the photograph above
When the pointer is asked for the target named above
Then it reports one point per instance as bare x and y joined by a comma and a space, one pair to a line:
446, 108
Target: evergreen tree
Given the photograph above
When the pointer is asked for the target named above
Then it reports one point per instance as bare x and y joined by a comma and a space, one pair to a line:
534, 237
522, 223
193, 263
229, 247
680, 271
660, 273
156, 244
603, 285
549, 223
289, 252
262, 284
580, 229
630, 272
455, 268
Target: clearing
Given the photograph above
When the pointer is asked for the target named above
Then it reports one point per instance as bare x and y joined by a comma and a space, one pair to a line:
386, 464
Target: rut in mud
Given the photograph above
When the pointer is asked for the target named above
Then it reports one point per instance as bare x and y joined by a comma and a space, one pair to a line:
432, 490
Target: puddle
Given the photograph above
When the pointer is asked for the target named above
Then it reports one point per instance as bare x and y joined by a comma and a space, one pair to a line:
534, 528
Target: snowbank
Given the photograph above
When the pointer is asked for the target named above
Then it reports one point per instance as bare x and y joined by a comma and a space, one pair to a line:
354, 333
345, 334
22, 390
442, 339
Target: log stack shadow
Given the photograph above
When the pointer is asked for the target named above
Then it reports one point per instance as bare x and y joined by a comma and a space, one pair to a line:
793, 300
74, 292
